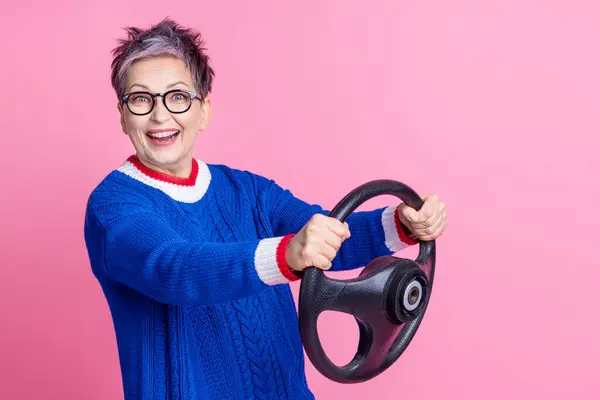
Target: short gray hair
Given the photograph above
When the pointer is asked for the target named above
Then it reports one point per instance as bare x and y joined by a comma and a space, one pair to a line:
164, 38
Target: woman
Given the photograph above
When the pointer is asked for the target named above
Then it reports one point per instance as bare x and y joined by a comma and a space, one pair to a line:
195, 260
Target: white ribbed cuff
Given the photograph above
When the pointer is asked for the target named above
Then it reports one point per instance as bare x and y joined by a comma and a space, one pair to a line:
392, 238
265, 262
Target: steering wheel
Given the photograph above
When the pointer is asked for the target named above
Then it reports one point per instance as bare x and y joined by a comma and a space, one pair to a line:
388, 299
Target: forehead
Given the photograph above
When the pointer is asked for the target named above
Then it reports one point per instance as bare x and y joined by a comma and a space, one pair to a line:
158, 72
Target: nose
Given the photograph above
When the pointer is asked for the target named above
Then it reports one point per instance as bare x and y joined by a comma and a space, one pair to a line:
160, 114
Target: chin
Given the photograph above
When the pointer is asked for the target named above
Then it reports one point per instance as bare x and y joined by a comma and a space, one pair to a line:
169, 159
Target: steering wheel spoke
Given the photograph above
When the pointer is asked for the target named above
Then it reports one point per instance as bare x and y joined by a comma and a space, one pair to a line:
374, 347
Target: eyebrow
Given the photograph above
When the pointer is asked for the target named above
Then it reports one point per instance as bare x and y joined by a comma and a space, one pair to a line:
177, 83
168, 86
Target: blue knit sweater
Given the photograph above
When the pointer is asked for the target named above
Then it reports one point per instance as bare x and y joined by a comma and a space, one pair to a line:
195, 276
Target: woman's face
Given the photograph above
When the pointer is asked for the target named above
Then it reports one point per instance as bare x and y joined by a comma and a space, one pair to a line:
163, 141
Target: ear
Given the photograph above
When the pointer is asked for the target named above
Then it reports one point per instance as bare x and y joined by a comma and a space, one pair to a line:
122, 114
206, 108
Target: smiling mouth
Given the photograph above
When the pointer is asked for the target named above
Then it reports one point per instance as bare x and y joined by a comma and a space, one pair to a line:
163, 137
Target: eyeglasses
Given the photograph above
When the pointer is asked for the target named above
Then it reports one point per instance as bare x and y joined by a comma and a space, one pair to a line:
176, 101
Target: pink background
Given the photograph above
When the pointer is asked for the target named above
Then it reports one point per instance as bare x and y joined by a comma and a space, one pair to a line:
493, 105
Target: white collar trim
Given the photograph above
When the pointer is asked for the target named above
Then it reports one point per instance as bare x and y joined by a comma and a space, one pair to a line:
181, 193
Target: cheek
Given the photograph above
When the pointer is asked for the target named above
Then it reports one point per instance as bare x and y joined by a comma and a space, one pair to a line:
134, 125
190, 122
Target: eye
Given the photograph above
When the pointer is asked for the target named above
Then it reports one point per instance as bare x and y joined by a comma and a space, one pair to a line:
140, 98
179, 97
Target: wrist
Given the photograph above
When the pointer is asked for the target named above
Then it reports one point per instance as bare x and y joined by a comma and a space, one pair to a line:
403, 227
283, 259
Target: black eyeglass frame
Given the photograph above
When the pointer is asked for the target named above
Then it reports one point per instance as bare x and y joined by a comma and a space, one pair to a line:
153, 96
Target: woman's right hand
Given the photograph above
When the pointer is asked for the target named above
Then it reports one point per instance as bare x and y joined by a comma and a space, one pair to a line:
317, 243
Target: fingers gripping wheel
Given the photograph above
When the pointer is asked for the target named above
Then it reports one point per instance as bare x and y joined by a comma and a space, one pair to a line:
388, 299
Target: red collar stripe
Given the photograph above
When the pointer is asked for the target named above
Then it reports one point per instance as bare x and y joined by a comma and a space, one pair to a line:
163, 177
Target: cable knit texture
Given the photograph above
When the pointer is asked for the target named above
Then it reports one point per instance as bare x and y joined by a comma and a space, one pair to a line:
195, 275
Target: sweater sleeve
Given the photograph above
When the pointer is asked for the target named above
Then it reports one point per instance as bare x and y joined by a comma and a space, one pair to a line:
133, 245
373, 233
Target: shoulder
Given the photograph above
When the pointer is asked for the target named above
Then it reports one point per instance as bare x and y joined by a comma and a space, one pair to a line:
239, 179
258, 190
116, 195
243, 178
114, 199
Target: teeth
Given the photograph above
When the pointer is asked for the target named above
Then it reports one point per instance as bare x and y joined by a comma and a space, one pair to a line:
162, 134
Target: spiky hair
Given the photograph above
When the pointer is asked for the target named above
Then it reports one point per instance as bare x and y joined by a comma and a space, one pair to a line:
164, 38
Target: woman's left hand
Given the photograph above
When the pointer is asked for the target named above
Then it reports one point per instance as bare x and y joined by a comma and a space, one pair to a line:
429, 222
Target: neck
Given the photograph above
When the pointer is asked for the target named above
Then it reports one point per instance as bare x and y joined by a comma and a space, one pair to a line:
183, 169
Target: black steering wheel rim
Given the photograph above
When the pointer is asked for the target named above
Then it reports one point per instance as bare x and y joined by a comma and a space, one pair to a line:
319, 293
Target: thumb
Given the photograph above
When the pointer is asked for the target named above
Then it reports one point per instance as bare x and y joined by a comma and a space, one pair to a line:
410, 214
